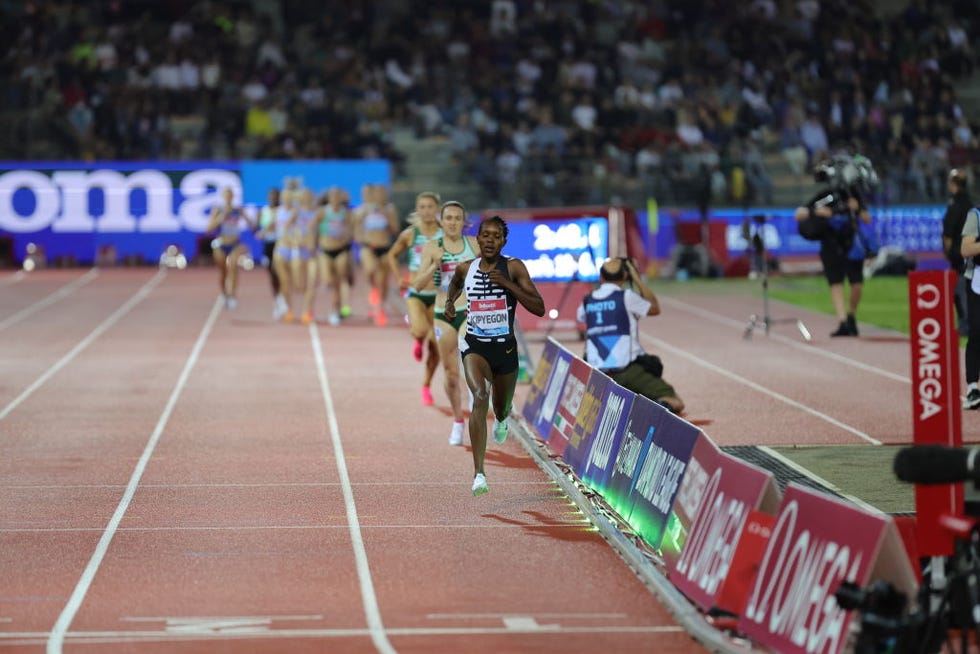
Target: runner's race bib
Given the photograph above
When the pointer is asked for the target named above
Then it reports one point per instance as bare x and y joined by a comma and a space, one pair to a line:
488, 318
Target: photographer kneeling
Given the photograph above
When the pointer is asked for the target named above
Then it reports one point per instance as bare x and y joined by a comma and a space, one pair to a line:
834, 220
610, 314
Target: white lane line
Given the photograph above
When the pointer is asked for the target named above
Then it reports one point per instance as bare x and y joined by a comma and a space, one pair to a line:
84, 343
36, 530
276, 484
810, 349
762, 389
368, 598
57, 637
63, 292
9, 638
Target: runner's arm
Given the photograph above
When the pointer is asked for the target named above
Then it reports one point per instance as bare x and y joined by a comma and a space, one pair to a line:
521, 285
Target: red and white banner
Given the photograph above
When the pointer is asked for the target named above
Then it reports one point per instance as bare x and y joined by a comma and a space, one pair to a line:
818, 541
732, 490
936, 411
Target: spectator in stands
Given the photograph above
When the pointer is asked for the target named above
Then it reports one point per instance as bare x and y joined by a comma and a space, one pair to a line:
516, 54
610, 315
814, 137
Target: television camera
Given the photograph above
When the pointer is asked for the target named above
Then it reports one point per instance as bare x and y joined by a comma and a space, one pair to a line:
844, 177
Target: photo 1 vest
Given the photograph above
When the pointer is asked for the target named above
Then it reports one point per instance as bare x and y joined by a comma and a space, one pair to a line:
607, 331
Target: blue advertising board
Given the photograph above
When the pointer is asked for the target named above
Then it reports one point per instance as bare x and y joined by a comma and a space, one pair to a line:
643, 422
658, 476
73, 209
259, 176
551, 394
913, 228
599, 460
539, 383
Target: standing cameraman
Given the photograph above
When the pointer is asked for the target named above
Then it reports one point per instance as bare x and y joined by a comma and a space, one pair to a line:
955, 216
836, 218
610, 314
970, 250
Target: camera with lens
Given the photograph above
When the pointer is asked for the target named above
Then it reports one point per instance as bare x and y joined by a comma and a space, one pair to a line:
886, 627
844, 177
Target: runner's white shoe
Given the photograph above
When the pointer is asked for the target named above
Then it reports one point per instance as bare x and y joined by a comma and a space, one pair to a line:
456, 437
499, 431
480, 485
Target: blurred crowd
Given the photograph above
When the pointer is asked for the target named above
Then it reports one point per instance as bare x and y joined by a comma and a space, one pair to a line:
540, 101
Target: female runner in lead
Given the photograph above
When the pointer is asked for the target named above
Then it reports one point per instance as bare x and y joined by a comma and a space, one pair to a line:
494, 285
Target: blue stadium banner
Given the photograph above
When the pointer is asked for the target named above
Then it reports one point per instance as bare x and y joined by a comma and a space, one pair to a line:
259, 176
912, 228
74, 209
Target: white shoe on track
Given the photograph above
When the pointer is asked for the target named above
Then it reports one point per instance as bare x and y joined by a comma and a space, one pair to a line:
456, 436
480, 485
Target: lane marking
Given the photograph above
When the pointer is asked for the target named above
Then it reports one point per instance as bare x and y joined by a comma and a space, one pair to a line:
371, 610
223, 625
84, 343
810, 349
298, 484
138, 636
63, 292
477, 616
57, 636
762, 389
494, 525
527, 623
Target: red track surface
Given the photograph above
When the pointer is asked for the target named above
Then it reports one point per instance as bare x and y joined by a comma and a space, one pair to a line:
177, 477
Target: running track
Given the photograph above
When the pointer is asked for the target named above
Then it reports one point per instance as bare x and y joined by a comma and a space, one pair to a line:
177, 477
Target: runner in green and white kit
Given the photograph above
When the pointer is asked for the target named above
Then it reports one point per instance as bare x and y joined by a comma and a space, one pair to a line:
439, 261
419, 302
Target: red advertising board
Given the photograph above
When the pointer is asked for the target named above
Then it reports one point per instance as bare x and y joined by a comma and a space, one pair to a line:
936, 411
733, 490
817, 542
745, 563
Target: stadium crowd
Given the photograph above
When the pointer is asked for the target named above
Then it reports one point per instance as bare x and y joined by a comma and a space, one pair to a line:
543, 101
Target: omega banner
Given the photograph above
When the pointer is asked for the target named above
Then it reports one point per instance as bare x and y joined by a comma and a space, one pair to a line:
817, 542
936, 411
138, 208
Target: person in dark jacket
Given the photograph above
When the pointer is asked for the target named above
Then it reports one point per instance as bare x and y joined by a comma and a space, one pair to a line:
956, 210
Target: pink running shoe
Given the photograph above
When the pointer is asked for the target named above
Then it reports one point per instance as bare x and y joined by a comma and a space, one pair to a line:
417, 350
427, 396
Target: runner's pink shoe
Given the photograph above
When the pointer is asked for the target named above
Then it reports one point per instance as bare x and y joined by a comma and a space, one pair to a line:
427, 396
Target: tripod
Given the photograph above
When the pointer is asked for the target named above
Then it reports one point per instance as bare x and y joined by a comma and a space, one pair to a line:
765, 321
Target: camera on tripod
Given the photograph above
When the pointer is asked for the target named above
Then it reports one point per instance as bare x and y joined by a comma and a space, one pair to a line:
886, 626
949, 597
